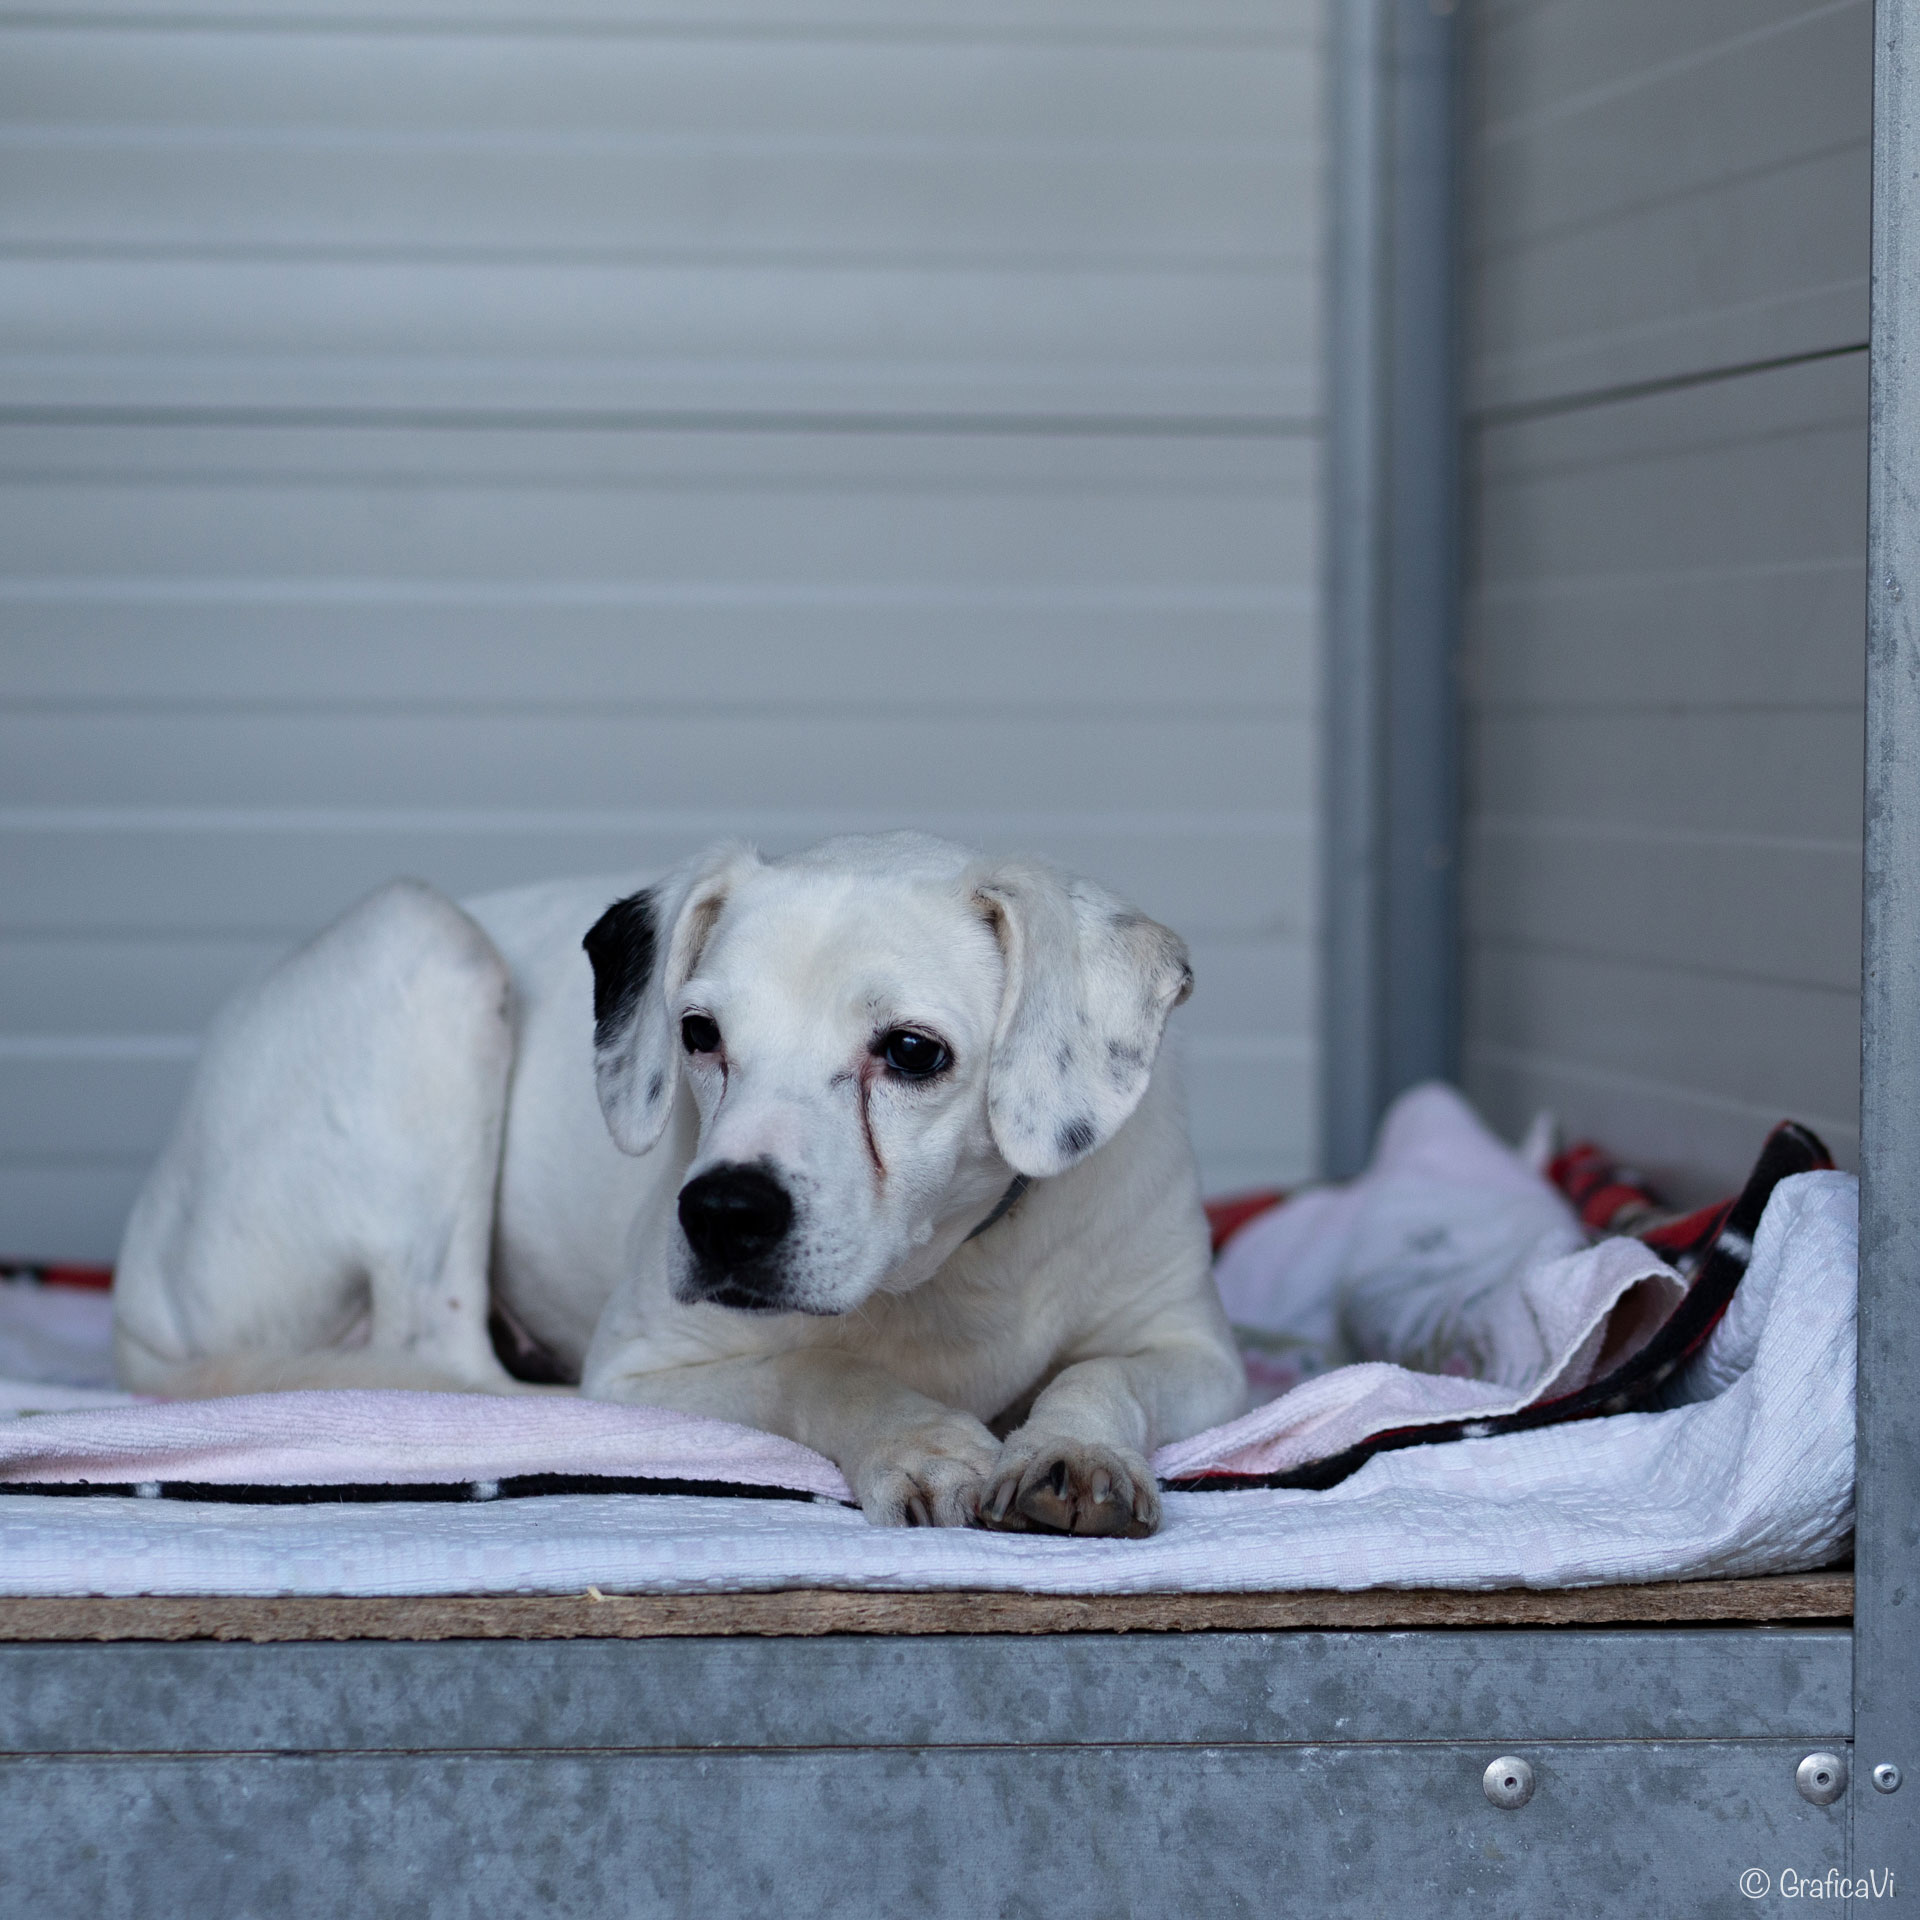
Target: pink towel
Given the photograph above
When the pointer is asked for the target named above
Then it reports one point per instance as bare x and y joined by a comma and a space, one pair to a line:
336, 1438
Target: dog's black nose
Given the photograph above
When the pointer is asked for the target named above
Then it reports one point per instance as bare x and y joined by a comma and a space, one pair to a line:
734, 1216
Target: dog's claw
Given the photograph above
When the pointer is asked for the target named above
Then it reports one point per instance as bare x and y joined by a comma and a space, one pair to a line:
932, 1476
1052, 1484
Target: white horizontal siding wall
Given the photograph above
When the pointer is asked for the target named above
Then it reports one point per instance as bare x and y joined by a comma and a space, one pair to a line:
489, 442
1668, 461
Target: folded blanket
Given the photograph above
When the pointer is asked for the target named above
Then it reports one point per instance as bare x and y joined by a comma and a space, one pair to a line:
1449, 1253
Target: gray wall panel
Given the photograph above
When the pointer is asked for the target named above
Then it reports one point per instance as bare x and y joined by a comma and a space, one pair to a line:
1694, 1145
1693, 902
1241, 21
330, 215
1789, 774
1671, 636
1665, 1027
1754, 472
490, 442
1666, 190
110, 871
1664, 669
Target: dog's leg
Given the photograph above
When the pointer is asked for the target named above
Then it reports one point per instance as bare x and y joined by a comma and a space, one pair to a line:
322, 1214
910, 1460
1079, 1464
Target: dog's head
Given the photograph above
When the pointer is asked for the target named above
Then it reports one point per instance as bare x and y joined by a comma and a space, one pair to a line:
878, 1036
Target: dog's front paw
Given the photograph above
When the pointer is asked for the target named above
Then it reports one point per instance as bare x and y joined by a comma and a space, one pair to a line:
930, 1476
1052, 1484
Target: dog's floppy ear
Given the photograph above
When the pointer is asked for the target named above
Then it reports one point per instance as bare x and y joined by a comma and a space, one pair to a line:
644, 950
1089, 985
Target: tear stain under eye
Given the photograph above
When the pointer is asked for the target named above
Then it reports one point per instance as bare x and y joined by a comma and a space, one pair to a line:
866, 1076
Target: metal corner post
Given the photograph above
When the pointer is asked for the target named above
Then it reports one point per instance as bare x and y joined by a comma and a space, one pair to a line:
1390, 854
1886, 1825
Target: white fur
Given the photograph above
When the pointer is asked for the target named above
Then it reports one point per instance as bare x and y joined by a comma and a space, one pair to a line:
411, 1114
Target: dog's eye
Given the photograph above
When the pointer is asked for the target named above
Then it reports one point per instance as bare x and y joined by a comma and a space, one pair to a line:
915, 1055
698, 1034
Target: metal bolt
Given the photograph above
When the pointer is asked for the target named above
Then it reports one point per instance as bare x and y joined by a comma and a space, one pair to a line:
1886, 1776
1821, 1778
1509, 1782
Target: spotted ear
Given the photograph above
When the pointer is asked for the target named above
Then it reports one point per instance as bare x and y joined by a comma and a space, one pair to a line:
644, 950
1089, 986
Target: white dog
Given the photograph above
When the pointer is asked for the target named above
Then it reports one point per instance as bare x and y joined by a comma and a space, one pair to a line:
867, 1147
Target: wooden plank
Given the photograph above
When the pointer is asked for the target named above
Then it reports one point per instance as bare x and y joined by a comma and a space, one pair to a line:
1809, 1596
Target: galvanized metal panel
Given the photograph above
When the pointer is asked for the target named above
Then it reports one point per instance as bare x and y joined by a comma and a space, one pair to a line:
1351, 1829
1886, 1630
1050, 1690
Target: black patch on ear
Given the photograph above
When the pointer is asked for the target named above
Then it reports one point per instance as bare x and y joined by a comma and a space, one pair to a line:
620, 945
655, 1086
1076, 1136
